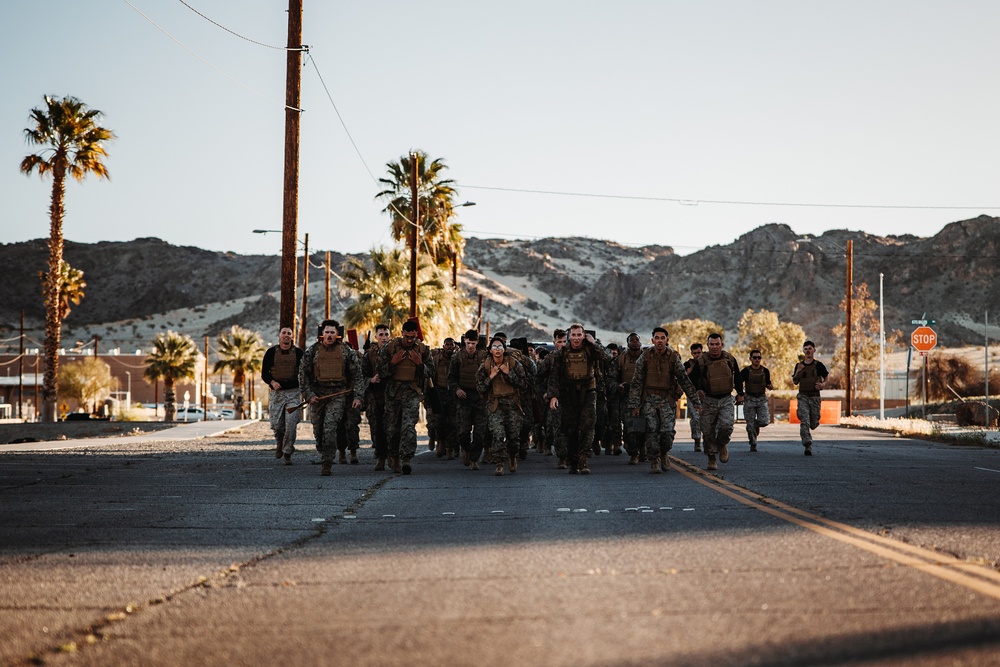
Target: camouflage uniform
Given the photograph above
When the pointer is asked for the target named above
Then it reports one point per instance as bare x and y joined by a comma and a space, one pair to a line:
470, 412
573, 381
328, 370
694, 419
717, 378
442, 423
755, 409
402, 397
277, 363
652, 391
375, 403
808, 397
553, 436
503, 398
622, 372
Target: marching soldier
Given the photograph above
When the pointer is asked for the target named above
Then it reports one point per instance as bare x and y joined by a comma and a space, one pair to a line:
280, 371
500, 380
470, 409
756, 380
810, 375
403, 365
716, 375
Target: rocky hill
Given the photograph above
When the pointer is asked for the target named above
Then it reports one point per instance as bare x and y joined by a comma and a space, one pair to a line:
138, 288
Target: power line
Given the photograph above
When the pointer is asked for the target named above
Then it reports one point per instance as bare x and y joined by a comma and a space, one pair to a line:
733, 202
220, 71
233, 32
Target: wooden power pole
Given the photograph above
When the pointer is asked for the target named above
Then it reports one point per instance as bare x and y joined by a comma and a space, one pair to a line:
290, 208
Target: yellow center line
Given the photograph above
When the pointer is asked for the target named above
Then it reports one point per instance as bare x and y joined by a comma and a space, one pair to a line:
943, 566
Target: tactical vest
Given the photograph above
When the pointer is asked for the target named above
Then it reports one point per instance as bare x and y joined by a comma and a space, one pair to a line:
755, 381
284, 369
627, 365
718, 374
329, 364
468, 364
808, 378
443, 362
660, 378
500, 386
406, 370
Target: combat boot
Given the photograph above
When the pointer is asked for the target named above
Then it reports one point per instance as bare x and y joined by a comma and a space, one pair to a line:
633, 460
654, 467
665, 462
327, 469
499, 472
342, 457
466, 461
711, 463
354, 456
563, 463
513, 463
441, 450
582, 467
724, 453
394, 464
379, 465
407, 467
697, 444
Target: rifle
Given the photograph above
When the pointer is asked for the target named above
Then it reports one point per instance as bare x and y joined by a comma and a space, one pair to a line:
298, 406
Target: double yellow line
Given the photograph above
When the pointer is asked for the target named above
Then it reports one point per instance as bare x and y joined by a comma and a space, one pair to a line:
980, 579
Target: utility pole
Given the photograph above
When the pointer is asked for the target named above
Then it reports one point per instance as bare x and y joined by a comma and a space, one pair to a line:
850, 323
414, 223
204, 386
20, 372
305, 295
290, 208
326, 284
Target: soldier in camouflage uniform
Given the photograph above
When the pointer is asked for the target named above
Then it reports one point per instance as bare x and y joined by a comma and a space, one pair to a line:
280, 371
500, 380
622, 371
612, 438
658, 370
554, 438
328, 367
375, 396
573, 388
694, 419
441, 424
756, 380
470, 409
715, 375
403, 365
349, 433
810, 375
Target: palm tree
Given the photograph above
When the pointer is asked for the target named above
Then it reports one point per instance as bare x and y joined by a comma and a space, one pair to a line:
241, 352
439, 235
71, 286
381, 286
74, 146
173, 358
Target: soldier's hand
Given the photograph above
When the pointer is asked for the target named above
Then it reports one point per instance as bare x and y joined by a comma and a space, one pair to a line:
356, 404
505, 368
635, 412
701, 393
415, 356
275, 385
376, 379
460, 393
398, 357
554, 403
314, 400
739, 400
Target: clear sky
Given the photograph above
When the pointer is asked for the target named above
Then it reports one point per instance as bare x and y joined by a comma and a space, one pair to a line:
877, 103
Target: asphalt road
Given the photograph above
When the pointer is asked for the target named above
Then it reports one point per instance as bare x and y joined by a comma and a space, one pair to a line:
875, 551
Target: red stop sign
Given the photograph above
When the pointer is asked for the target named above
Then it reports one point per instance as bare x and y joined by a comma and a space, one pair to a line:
923, 339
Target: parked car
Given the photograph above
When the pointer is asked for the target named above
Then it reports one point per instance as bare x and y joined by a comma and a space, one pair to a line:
193, 413
227, 413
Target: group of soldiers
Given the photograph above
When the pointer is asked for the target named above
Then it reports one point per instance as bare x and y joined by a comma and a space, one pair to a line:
489, 402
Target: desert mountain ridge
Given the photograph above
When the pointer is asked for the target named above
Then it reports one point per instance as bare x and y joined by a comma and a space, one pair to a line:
138, 288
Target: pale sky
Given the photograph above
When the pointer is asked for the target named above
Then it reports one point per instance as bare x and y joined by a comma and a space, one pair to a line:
891, 105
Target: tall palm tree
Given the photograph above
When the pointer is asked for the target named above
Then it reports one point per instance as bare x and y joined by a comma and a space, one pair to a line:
381, 286
241, 352
439, 235
173, 358
73, 144
71, 286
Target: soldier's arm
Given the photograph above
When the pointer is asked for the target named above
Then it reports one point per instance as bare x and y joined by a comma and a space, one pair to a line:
685, 382
305, 377
638, 382
265, 366
482, 380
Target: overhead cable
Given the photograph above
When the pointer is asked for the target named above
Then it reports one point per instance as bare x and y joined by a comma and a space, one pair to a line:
233, 32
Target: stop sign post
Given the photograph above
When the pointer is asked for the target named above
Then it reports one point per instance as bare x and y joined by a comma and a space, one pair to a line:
923, 339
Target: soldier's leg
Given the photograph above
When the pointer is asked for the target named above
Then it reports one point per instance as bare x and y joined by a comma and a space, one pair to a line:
432, 427
750, 417
498, 443
695, 421
802, 412
588, 424
409, 415
513, 427
291, 427
667, 432
276, 417
393, 412
480, 431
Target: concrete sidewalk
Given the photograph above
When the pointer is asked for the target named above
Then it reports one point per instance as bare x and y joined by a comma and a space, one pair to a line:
184, 431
